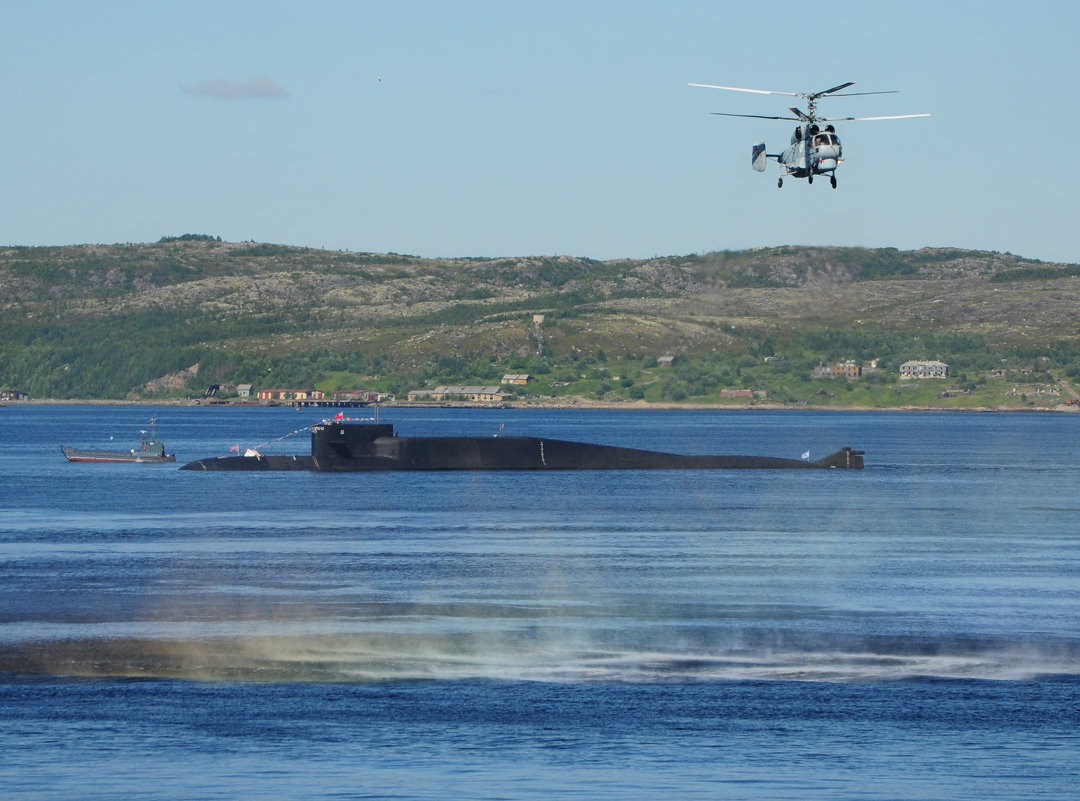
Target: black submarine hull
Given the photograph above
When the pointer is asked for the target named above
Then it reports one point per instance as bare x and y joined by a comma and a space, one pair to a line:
353, 447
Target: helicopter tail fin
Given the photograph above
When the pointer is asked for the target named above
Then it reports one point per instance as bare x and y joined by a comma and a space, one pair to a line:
758, 157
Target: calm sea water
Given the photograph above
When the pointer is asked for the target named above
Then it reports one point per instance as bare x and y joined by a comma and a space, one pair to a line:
910, 631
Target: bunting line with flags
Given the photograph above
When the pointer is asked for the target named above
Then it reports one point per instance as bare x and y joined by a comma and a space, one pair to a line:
339, 417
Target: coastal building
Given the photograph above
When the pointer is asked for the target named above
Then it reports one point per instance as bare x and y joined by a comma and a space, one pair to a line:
476, 394
357, 395
472, 394
290, 394
924, 369
13, 395
844, 369
517, 379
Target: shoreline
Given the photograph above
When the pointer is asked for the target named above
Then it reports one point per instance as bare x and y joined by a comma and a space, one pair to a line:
575, 403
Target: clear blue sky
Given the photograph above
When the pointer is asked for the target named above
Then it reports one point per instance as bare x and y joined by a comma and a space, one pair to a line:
522, 127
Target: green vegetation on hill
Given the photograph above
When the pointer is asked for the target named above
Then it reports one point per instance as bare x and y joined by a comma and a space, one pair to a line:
169, 318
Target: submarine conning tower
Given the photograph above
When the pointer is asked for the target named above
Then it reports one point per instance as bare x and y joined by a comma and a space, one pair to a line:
340, 443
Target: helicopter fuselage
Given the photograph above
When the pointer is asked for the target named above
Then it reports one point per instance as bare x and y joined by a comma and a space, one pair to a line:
813, 151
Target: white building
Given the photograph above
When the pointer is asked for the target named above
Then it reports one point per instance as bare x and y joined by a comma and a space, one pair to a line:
920, 369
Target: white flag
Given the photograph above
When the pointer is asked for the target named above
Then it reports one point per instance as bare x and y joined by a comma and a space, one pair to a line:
806, 456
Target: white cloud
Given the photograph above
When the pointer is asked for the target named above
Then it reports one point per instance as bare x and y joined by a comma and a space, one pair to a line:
258, 87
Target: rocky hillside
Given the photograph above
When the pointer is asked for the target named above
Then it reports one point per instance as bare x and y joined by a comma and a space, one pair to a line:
107, 319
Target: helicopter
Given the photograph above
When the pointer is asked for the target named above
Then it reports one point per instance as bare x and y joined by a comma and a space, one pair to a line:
815, 147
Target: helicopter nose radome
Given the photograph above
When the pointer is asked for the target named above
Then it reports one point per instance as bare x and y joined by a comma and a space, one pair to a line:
828, 152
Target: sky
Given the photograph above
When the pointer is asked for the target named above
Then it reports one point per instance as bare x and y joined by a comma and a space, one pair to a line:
535, 127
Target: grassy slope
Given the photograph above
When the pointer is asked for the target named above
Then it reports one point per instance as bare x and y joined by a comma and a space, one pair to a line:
104, 320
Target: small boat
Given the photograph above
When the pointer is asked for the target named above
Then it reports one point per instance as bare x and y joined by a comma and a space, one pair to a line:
151, 450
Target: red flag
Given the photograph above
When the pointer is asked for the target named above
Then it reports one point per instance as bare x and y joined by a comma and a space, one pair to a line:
234, 448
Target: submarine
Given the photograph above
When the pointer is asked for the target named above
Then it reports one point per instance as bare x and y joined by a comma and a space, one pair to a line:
346, 446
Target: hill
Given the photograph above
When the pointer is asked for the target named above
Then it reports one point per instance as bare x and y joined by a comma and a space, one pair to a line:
167, 318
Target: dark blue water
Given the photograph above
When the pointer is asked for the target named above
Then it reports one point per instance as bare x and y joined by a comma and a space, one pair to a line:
908, 631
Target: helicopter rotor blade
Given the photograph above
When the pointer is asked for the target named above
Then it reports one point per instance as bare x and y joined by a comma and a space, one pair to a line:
854, 94
834, 89
755, 116
811, 98
738, 89
889, 117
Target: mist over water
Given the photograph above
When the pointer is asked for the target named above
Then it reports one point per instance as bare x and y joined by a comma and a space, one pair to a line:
950, 561
545, 657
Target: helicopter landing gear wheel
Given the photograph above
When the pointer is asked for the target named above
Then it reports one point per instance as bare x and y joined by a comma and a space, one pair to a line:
779, 182
809, 179
832, 180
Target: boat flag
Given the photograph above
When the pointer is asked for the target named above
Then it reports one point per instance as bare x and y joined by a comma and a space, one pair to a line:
806, 456
234, 448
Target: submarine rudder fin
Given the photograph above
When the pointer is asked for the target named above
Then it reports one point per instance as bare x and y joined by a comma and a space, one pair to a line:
847, 458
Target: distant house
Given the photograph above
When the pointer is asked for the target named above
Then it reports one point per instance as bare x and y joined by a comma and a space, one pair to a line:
243, 390
473, 394
849, 369
665, 361
356, 395
13, 395
291, 394
476, 394
845, 369
924, 369
518, 379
